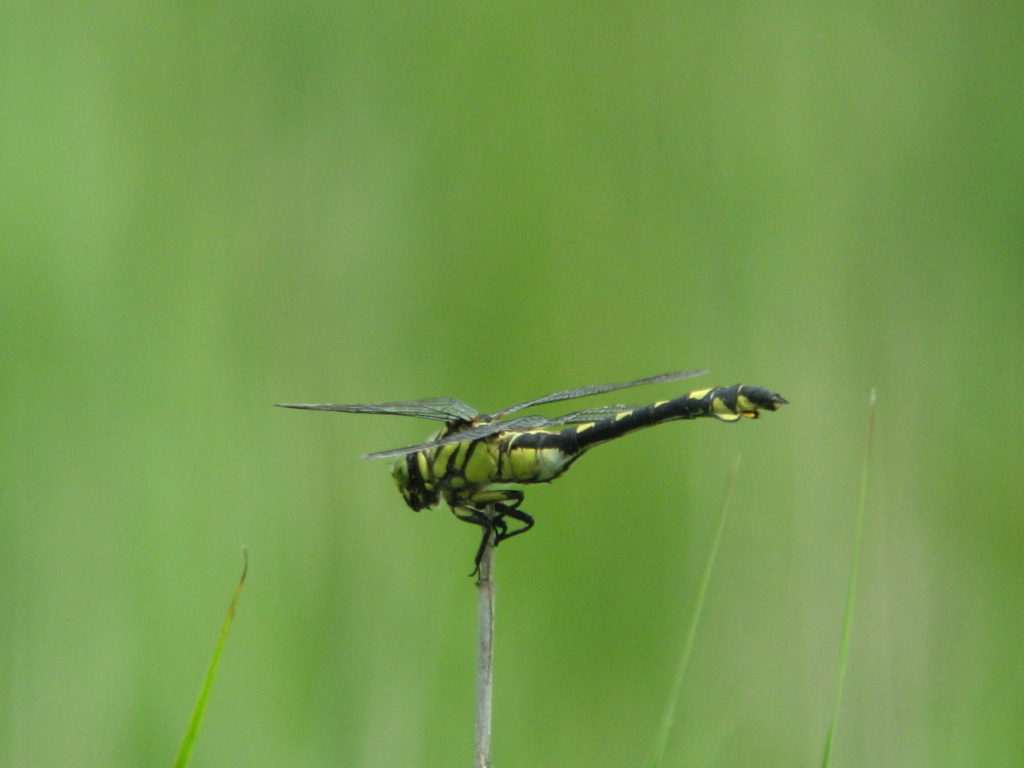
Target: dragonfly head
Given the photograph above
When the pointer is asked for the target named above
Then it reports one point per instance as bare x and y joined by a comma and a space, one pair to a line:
417, 493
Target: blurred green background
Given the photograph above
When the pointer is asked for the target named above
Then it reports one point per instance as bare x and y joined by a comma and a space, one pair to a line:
211, 207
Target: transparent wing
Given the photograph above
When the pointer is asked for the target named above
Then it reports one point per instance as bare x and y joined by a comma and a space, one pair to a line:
520, 424
595, 414
448, 409
595, 389
471, 433
438, 408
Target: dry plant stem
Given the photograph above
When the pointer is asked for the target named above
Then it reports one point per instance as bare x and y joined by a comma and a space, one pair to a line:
485, 655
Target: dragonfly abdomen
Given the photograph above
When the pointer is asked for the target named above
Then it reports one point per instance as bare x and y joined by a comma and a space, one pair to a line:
538, 456
724, 403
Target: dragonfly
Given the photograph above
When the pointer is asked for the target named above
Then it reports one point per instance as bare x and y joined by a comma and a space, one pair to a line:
475, 454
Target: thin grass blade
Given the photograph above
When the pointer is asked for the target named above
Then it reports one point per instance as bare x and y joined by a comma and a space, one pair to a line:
851, 590
698, 609
188, 741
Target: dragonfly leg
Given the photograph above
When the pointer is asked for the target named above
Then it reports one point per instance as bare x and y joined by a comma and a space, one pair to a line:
508, 506
489, 512
499, 524
513, 511
488, 524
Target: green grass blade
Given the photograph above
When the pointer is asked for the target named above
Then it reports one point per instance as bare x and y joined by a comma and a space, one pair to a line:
851, 591
684, 660
188, 741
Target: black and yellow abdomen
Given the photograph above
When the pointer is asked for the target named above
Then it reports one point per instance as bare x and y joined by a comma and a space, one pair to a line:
540, 456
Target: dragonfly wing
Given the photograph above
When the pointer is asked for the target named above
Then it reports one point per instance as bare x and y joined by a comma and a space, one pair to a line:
470, 433
596, 389
594, 414
438, 408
